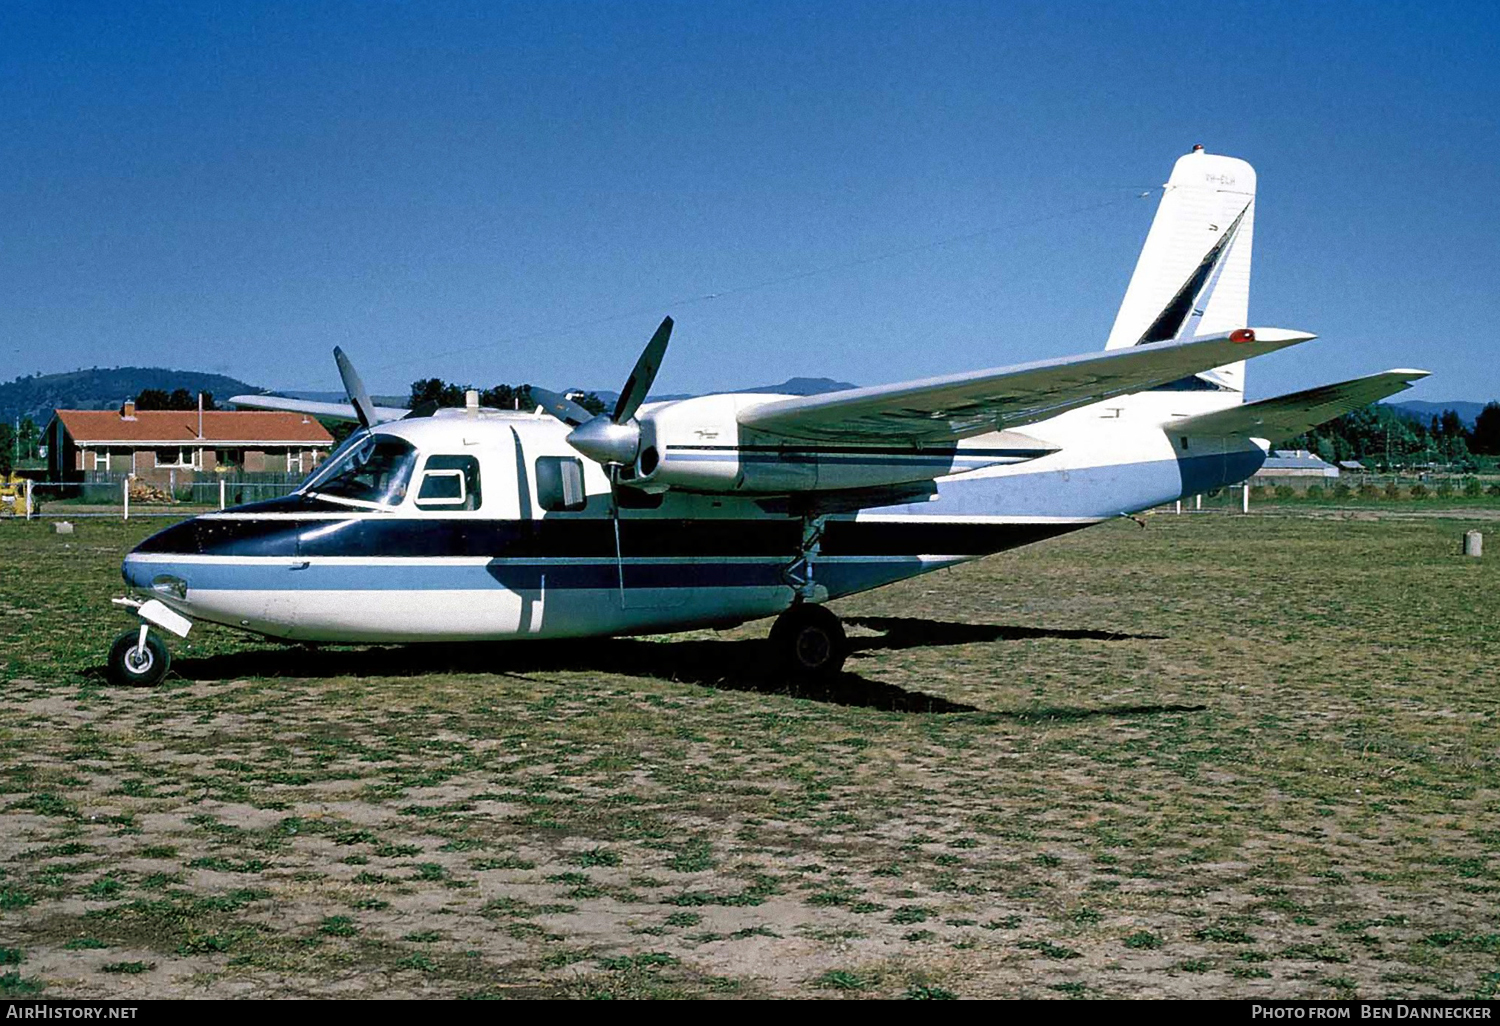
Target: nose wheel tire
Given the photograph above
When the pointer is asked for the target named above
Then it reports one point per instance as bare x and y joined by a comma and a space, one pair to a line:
809, 641
132, 664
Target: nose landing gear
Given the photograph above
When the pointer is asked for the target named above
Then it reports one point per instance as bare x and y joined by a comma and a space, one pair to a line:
138, 659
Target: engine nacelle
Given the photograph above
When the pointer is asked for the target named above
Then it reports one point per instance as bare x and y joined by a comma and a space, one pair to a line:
698, 445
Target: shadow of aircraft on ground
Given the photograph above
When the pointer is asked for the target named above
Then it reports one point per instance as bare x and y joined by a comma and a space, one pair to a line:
730, 664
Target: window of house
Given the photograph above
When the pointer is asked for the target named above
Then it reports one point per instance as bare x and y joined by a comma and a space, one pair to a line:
174, 457
229, 457
559, 483
449, 483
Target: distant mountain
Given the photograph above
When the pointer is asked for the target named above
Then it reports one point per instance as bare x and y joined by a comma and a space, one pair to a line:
101, 388
1425, 411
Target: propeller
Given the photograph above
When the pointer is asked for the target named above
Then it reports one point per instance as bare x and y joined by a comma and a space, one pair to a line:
560, 406
354, 388
614, 439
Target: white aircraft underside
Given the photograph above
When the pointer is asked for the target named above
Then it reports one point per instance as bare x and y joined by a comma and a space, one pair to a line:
481, 524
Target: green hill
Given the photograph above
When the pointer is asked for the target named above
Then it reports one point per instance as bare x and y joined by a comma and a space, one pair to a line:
100, 388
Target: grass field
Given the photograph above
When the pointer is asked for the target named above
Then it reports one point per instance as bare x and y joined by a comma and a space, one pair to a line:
1220, 756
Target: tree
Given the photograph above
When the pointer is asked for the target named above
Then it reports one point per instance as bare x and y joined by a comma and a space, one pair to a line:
1486, 436
434, 390
177, 399
339, 429
29, 438
506, 397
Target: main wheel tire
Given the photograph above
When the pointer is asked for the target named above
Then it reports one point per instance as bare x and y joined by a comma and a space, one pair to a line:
133, 666
809, 641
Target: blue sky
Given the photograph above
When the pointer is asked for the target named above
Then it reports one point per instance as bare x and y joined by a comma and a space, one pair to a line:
873, 191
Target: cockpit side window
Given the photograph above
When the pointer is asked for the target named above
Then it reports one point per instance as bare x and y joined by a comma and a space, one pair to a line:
449, 483
376, 470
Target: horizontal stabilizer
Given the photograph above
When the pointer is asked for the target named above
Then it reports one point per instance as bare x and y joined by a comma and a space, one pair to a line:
1287, 416
334, 411
961, 406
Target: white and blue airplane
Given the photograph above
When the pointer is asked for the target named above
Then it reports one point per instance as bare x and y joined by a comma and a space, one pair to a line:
476, 524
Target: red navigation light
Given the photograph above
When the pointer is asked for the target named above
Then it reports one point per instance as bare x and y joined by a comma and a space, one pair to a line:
1242, 335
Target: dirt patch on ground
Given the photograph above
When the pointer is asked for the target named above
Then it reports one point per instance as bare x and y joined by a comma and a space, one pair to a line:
1213, 758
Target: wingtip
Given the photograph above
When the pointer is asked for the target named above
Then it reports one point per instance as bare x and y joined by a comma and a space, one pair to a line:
1410, 372
1283, 336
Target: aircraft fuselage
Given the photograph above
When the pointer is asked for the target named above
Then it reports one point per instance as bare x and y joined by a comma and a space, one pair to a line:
499, 531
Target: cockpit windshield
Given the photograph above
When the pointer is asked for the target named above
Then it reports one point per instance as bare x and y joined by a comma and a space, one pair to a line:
375, 469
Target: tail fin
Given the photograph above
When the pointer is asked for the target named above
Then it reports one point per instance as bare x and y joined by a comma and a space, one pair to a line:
1193, 275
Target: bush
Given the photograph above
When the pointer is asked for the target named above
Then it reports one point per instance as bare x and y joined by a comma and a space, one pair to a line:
1393, 491
1495, 490
1472, 488
1342, 491
1257, 491
1419, 491
1313, 492
1368, 491
1285, 492
1445, 490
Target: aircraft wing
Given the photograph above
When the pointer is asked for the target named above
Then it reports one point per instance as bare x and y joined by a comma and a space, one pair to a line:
1289, 415
961, 406
335, 411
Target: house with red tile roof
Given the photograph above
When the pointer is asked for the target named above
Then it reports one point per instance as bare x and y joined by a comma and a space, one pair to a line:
178, 446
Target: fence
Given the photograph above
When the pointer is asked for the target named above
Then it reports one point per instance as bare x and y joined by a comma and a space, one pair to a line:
110, 496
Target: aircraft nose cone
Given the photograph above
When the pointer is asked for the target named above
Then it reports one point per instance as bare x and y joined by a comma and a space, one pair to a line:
604, 441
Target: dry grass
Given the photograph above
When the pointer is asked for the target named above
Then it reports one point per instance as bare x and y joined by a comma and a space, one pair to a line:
1217, 757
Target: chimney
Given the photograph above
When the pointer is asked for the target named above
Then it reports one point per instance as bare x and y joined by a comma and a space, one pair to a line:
200, 414
128, 413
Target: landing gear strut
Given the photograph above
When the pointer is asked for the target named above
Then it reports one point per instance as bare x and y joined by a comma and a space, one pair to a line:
809, 641
138, 659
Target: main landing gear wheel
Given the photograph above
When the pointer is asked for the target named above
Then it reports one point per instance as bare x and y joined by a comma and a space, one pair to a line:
809, 641
133, 664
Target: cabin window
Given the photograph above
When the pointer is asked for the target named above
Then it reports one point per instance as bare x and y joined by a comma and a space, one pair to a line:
449, 483
559, 483
376, 470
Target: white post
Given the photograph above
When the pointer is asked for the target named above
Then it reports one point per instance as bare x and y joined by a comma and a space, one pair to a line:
1245, 499
1198, 501
125, 488
28, 498
221, 493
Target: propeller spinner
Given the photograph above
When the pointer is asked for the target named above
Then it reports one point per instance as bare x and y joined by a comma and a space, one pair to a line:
614, 439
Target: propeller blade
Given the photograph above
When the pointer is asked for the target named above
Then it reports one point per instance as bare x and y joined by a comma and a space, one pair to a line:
354, 388
426, 409
560, 406
644, 374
